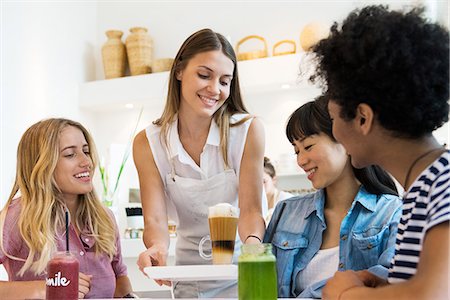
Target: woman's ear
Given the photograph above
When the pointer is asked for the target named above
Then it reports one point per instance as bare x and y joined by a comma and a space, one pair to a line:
364, 118
178, 75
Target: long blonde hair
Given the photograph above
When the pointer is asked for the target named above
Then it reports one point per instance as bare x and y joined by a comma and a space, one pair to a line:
43, 209
202, 41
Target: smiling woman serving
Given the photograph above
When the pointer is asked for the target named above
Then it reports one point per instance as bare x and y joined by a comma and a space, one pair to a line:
203, 150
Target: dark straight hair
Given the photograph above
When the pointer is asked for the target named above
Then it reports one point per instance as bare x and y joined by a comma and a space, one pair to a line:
313, 118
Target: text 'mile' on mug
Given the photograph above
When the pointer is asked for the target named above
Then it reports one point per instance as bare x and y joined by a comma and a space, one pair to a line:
223, 220
62, 277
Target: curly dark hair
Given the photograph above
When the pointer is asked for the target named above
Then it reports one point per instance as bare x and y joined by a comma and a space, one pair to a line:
396, 62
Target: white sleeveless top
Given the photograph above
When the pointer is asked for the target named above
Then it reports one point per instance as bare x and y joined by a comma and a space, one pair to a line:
197, 187
322, 266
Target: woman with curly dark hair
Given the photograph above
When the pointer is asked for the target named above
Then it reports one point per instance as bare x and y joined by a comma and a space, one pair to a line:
387, 75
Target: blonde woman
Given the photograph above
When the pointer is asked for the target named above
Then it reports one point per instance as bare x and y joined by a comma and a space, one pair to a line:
203, 150
56, 160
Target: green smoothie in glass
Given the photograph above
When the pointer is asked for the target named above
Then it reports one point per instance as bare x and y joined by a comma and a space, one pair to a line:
257, 275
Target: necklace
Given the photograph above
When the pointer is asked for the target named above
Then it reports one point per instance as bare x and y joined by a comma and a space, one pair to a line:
416, 160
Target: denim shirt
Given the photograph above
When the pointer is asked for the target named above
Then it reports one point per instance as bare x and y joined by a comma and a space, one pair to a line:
367, 237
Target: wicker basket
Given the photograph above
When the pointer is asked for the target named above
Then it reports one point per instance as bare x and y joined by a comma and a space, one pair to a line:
290, 42
162, 65
139, 50
114, 55
252, 54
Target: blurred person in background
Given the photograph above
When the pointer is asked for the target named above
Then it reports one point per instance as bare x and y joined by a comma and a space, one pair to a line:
273, 194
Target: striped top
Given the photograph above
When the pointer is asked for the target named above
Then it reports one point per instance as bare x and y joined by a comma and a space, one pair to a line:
426, 204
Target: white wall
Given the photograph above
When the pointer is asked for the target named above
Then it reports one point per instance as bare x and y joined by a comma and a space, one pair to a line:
47, 50
274, 21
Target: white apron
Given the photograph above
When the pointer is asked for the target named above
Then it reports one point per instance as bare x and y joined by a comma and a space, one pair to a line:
192, 197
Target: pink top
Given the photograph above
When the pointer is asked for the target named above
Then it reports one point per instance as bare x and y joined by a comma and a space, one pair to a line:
104, 272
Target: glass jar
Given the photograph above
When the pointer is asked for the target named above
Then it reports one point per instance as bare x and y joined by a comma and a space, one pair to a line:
62, 277
257, 274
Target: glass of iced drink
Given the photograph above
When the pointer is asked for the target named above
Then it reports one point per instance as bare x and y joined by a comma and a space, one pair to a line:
62, 277
223, 219
172, 228
257, 274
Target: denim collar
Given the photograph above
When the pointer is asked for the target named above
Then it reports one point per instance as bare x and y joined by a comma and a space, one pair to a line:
367, 200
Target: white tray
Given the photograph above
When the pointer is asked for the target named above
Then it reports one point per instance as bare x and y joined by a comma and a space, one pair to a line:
193, 273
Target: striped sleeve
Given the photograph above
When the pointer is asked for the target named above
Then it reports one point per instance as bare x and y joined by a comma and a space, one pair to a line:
439, 205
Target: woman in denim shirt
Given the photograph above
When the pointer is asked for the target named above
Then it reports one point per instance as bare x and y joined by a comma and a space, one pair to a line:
349, 223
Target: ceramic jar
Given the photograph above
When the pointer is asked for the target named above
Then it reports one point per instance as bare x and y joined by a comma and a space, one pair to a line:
140, 51
114, 55
311, 34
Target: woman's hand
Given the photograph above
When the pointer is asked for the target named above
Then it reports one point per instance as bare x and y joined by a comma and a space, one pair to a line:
154, 256
370, 280
84, 284
339, 283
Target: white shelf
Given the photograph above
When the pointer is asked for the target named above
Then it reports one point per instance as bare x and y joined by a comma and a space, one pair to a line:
256, 76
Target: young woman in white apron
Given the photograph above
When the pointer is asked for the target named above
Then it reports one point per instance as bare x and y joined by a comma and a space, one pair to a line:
205, 149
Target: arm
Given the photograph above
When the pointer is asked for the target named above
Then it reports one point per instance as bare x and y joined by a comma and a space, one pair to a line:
156, 234
430, 281
123, 287
251, 221
123, 284
22, 289
36, 289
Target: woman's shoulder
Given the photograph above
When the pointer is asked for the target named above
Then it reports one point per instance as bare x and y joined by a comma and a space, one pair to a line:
437, 172
291, 216
239, 117
298, 202
283, 195
14, 209
388, 203
152, 129
12, 217
380, 199
394, 199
